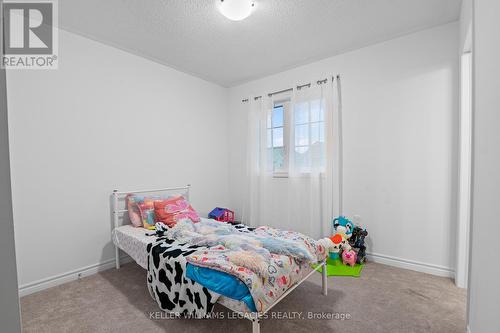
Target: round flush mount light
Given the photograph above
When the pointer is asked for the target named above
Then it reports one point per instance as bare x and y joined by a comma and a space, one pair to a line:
236, 10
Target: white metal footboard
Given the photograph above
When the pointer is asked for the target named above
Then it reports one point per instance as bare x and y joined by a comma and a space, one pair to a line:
256, 317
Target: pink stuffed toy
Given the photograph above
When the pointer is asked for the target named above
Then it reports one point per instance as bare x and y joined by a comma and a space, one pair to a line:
349, 257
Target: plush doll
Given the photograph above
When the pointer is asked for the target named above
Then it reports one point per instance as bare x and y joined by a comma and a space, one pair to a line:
344, 244
160, 228
327, 243
337, 243
340, 243
357, 241
343, 225
349, 257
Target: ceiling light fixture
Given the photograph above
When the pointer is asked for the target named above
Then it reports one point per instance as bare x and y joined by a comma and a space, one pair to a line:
236, 10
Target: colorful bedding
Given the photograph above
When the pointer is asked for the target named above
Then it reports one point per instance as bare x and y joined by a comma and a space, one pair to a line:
221, 283
267, 260
168, 284
134, 242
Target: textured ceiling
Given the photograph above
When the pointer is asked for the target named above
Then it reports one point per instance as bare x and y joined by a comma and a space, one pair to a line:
192, 36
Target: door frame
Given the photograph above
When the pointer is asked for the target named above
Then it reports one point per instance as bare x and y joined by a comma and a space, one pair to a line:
465, 164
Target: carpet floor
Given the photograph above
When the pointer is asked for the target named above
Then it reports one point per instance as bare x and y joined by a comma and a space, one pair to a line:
384, 299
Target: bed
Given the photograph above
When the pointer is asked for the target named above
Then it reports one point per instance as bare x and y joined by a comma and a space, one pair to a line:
134, 242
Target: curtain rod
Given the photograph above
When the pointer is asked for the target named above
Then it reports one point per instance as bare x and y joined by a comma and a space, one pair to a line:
308, 85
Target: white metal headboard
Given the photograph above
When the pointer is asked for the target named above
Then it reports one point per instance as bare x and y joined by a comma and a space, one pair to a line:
121, 194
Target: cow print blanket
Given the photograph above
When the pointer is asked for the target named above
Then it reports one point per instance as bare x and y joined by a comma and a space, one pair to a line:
168, 284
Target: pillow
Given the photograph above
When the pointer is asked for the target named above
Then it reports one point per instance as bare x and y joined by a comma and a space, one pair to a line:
147, 210
134, 213
172, 210
141, 209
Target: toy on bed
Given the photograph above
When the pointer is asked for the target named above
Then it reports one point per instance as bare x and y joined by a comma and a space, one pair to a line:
158, 229
222, 215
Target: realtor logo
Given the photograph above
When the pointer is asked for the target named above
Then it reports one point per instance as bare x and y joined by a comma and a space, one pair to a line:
30, 34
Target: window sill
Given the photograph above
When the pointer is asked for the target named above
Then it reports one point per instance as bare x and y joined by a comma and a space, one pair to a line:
280, 175
302, 175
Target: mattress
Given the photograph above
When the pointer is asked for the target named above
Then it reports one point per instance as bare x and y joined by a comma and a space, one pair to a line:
134, 241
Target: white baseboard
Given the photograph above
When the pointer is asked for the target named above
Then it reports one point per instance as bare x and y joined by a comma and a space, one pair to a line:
412, 265
53, 281
56, 280
468, 329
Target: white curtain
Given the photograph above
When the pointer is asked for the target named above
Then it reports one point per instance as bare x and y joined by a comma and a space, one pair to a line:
292, 151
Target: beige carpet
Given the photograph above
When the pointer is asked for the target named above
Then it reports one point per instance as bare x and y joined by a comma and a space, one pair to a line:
384, 299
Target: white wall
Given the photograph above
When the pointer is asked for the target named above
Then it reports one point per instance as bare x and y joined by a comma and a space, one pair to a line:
400, 132
465, 24
9, 298
105, 119
484, 289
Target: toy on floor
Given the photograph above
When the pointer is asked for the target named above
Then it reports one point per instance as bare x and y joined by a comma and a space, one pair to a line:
345, 243
335, 267
337, 246
222, 215
357, 241
353, 237
349, 257
340, 243
343, 225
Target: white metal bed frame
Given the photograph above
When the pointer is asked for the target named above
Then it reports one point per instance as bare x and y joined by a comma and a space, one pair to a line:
255, 317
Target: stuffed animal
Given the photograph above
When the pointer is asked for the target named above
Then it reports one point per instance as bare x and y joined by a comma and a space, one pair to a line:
327, 243
357, 241
340, 243
349, 257
344, 244
337, 243
343, 225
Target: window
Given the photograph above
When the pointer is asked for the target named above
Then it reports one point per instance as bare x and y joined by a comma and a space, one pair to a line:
309, 130
276, 137
306, 128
